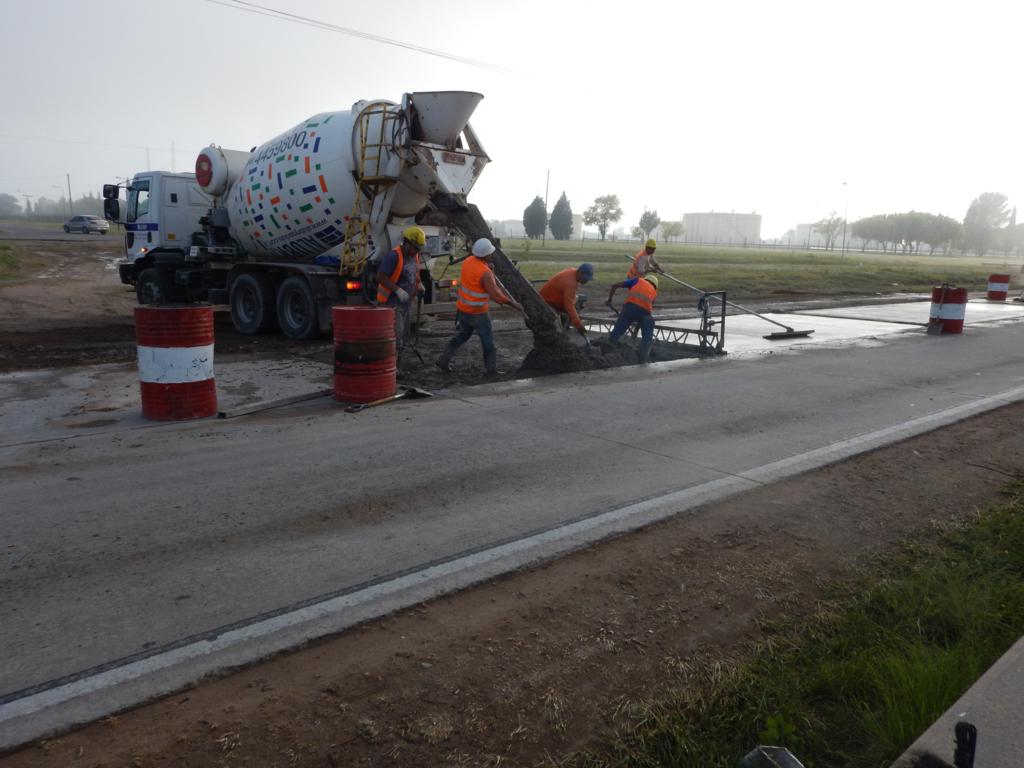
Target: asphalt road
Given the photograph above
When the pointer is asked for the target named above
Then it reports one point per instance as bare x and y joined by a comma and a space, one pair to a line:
29, 232
136, 542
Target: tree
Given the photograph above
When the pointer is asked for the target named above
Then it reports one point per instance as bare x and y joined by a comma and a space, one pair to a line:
561, 219
828, 228
670, 229
9, 205
535, 218
603, 212
987, 215
648, 223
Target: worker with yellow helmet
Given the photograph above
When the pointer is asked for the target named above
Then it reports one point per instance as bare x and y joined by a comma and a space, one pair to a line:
638, 308
398, 277
644, 261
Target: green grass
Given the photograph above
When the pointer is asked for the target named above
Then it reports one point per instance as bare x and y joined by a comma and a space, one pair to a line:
756, 272
8, 262
879, 662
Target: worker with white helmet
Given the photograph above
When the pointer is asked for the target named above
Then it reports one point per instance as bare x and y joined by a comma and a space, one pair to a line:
478, 286
398, 278
638, 308
644, 261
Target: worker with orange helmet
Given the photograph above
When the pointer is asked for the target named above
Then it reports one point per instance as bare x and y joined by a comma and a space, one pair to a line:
644, 261
398, 277
560, 293
478, 286
638, 308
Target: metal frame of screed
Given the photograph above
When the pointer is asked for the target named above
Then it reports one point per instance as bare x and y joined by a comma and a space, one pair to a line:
710, 340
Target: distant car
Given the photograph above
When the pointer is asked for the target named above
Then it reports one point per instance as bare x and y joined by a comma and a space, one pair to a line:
86, 224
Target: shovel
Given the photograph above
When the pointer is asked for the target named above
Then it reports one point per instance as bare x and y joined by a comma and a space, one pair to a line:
935, 323
410, 392
788, 333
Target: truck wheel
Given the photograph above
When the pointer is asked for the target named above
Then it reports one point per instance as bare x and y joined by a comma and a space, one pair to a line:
149, 287
252, 304
296, 309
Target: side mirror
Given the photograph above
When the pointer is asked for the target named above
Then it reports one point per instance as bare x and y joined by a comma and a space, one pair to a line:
110, 192
111, 206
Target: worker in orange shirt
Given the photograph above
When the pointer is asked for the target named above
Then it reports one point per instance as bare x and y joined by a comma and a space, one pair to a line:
638, 308
560, 293
478, 286
644, 261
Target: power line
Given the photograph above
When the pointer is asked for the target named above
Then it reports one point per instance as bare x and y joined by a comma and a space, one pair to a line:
76, 141
242, 5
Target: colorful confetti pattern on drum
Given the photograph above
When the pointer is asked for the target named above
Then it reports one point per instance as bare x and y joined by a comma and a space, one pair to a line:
283, 199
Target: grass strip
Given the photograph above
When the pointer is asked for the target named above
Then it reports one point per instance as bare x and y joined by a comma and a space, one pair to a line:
880, 660
8, 262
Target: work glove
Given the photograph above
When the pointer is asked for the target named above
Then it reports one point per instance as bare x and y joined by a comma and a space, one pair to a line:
402, 294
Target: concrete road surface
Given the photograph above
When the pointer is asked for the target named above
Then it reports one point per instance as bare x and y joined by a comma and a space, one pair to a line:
137, 559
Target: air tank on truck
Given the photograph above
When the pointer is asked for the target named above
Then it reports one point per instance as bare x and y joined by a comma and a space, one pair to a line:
290, 227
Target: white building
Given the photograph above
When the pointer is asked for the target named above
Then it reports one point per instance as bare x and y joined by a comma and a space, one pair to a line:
722, 228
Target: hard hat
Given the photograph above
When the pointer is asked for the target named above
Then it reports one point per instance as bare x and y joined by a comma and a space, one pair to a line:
416, 236
652, 279
586, 271
651, 243
483, 248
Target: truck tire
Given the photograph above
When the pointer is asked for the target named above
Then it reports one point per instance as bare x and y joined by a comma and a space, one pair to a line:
150, 288
296, 309
252, 304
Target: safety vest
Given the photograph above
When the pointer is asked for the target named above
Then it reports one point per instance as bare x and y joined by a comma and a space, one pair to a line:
634, 269
473, 297
642, 294
383, 292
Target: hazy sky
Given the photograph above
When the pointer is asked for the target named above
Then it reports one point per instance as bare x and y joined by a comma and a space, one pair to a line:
678, 107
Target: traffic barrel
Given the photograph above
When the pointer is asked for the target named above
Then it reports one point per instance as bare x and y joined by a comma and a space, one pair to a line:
175, 350
998, 285
365, 360
949, 307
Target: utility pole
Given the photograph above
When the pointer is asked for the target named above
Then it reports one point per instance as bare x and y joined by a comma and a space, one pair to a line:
71, 205
28, 202
544, 232
846, 213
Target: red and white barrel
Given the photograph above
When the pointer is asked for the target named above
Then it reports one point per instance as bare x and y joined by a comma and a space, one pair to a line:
175, 346
949, 307
998, 285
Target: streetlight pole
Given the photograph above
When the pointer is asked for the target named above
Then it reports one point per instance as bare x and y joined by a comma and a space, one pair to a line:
544, 233
846, 213
71, 207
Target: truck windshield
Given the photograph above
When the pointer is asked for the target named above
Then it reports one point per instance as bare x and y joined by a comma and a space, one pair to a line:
138, 200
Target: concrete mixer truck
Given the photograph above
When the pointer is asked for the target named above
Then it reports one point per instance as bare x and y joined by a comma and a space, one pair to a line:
285, 231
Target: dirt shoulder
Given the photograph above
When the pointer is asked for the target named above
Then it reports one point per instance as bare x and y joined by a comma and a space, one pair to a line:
538, 664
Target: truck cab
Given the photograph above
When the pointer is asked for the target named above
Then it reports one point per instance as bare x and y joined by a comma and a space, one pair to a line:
160, 217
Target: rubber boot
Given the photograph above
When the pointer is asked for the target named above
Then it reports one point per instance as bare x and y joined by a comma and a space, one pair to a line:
491, 362
444, 361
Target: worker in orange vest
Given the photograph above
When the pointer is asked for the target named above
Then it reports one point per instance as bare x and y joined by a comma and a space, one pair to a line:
398, 278
644, 261
638, 308
560, 293
478, 286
